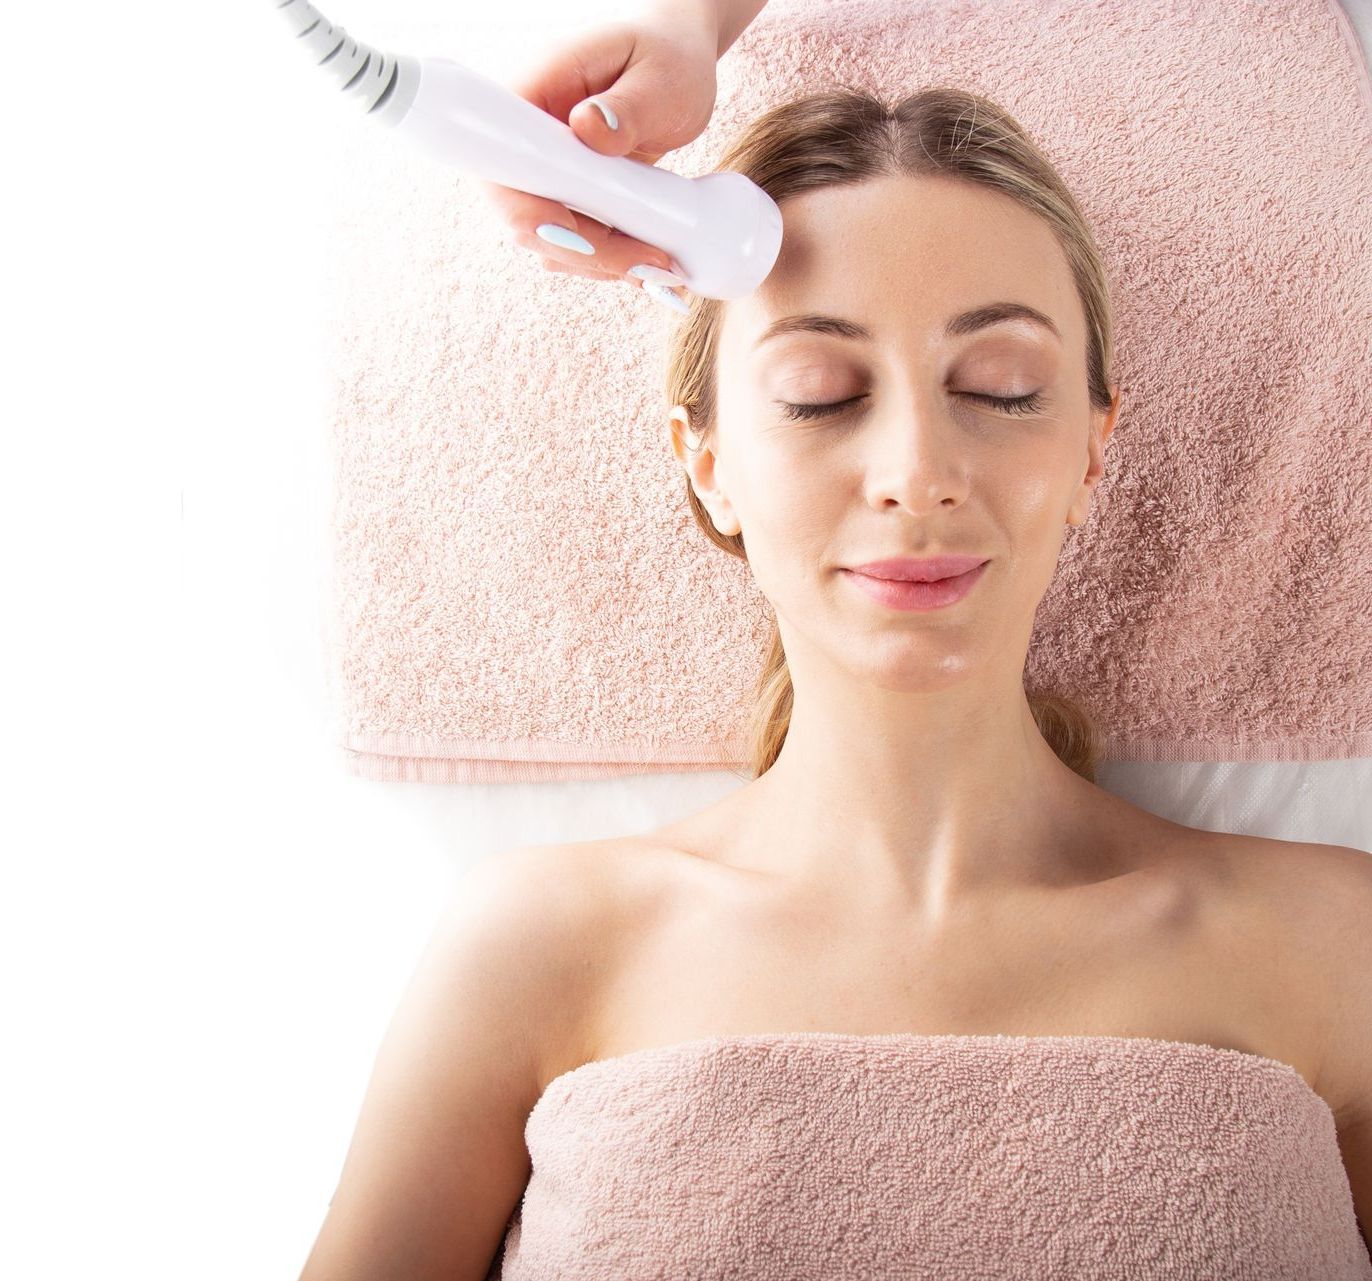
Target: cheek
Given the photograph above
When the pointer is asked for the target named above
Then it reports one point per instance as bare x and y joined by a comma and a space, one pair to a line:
1033, 507
798, 510
1033, 496
1036, 479
789, 514
785, 493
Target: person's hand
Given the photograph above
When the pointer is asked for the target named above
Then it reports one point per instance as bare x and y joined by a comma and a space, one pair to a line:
655, 77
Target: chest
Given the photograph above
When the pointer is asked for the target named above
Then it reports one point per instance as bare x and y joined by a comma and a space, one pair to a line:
1173, 955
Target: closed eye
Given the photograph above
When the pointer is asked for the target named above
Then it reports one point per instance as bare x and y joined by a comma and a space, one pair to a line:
1007, 404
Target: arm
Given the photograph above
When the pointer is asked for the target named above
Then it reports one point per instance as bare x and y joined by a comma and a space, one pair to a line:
729, 18
734, 17
1346, 955
437, 1163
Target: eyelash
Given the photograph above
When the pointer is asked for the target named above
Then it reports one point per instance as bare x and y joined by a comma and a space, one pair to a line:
1007, 404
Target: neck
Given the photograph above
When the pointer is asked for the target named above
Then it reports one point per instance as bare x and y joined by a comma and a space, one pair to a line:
926, 800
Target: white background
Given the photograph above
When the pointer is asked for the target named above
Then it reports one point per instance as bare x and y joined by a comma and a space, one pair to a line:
206, 920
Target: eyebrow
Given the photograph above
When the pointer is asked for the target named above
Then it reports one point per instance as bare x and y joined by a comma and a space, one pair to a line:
968, 322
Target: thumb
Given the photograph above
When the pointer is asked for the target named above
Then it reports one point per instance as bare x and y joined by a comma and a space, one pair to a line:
636, 116
626, 89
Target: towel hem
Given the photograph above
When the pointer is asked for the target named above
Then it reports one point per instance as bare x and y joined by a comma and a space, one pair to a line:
1354, 46
423, 759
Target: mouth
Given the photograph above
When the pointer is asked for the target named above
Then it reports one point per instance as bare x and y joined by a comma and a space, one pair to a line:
913, 569
914, 594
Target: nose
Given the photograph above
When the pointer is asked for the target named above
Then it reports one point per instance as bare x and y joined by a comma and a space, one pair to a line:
915, 454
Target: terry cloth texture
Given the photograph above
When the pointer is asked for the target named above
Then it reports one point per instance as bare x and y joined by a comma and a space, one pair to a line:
826, 1156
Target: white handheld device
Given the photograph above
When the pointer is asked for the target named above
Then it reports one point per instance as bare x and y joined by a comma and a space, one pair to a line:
722, 229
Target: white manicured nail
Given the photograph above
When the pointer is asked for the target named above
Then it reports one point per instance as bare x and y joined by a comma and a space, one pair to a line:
646, 271
665, 296
606, 111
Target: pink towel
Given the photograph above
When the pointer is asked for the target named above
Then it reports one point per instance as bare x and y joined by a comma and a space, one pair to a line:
791, 1156
520, 592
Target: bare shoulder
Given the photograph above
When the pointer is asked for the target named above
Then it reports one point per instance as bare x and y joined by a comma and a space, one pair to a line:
1335, 910
1319, 900
570, 911
1339, 921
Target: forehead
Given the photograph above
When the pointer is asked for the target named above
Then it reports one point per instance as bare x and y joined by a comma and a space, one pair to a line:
901, 256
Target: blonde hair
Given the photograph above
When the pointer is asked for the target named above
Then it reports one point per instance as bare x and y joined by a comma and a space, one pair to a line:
845, 136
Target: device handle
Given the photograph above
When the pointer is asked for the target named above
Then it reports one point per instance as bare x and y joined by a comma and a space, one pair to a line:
721, 228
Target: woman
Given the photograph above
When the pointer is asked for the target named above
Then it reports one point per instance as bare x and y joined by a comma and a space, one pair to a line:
921, 848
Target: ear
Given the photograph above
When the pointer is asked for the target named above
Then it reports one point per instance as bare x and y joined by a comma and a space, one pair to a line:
1102, 425
699, 462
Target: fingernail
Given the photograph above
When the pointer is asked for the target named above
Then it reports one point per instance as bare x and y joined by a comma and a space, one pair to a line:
605, 110
665, 296
565, 238
646, 271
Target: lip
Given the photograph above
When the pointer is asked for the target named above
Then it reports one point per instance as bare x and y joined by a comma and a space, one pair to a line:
907, 594
913, 569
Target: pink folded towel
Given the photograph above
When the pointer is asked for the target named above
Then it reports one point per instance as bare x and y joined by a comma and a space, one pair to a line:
791, 1156
520, 592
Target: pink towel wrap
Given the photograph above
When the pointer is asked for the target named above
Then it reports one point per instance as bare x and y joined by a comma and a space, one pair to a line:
520, 593
820, 1156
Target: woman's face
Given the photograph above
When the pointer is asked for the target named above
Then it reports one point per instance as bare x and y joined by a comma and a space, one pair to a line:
918, 464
